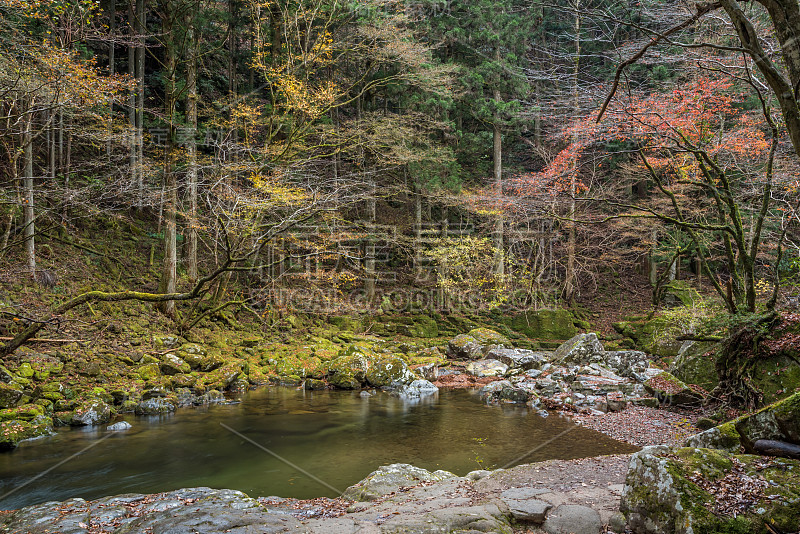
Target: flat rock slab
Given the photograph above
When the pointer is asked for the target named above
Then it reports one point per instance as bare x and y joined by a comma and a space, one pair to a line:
195, 510
573, 519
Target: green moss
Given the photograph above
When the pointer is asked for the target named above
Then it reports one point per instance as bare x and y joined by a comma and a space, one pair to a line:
545, 324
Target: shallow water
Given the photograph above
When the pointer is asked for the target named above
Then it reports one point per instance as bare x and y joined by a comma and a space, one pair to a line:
336, 436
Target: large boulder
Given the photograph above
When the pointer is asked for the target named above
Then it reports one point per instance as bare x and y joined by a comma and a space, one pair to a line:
628, 363
487, 337
580, 350
695, 364
705, 491
349, 371
14, 431
9, 395
671, 391
464, 347
389, 479
504, 391
519, 358
484, 368
779, 421
172, 365
388, 371
545, 324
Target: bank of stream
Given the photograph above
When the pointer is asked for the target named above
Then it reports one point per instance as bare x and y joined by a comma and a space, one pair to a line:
337, 436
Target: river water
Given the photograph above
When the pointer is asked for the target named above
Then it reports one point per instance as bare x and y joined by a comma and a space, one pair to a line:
336, 436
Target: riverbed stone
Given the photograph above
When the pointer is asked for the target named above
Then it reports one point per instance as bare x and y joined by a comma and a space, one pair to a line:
518, 358
9, 396
173, 365
16, 430
154, 406
504, 391
484, 368
524, 506
573, 519
387, 371
416, 389
389, 479
119, 426
91, 413
580, 350
464, 347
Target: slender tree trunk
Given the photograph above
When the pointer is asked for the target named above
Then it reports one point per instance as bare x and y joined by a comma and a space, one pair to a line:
497, 155
191, 152
112, 28
369, 264
132, 104
569, 282
28, 212
170, 267
139, 144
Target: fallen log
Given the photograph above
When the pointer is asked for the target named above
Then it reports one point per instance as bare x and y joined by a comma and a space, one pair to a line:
770, 447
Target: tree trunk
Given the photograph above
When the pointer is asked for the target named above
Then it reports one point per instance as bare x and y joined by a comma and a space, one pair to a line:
169, 272
112, 28
569, 282
28, 213
139, 143
191, 150
497, 155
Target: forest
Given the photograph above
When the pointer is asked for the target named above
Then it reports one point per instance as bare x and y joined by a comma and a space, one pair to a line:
515, 198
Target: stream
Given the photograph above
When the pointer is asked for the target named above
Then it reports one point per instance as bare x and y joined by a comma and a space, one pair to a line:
337, 436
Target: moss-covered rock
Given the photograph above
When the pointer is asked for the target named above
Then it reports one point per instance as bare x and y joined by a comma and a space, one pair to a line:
26, 412
686, 490
387, 371
654, 335
9, 395
44, 366
671, 391
695, 364
544, 324
91, 413
464, 347
25, 370
390, 478
487, 337
14, 431
349, 371
172, 365
148, 371
221, 378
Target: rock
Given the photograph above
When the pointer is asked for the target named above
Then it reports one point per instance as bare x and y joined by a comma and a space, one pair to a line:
781, 449
695, 364
428, 372
120, 426
172, 365
477, 475
723, 437
573, 519
167, 342
483, 368
221, 378
25, 370
14, 431
91, 413
545, 324
464, 347
580, 350
88, 368
679, 293
504, 391
390, 478
149, 371
523, 505
616, 402
388, 371
9, 396
156, 406
669, 490
671, 391
518, 358
416, 389
314, 384
158, 392
349, 371
211, 397
45, 366
486, 337
627, 363
193, 348
195, 510
212, 362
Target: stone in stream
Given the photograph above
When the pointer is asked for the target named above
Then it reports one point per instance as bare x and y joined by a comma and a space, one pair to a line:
416, 390
121, 425
91, 413
503, 390
154, 406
